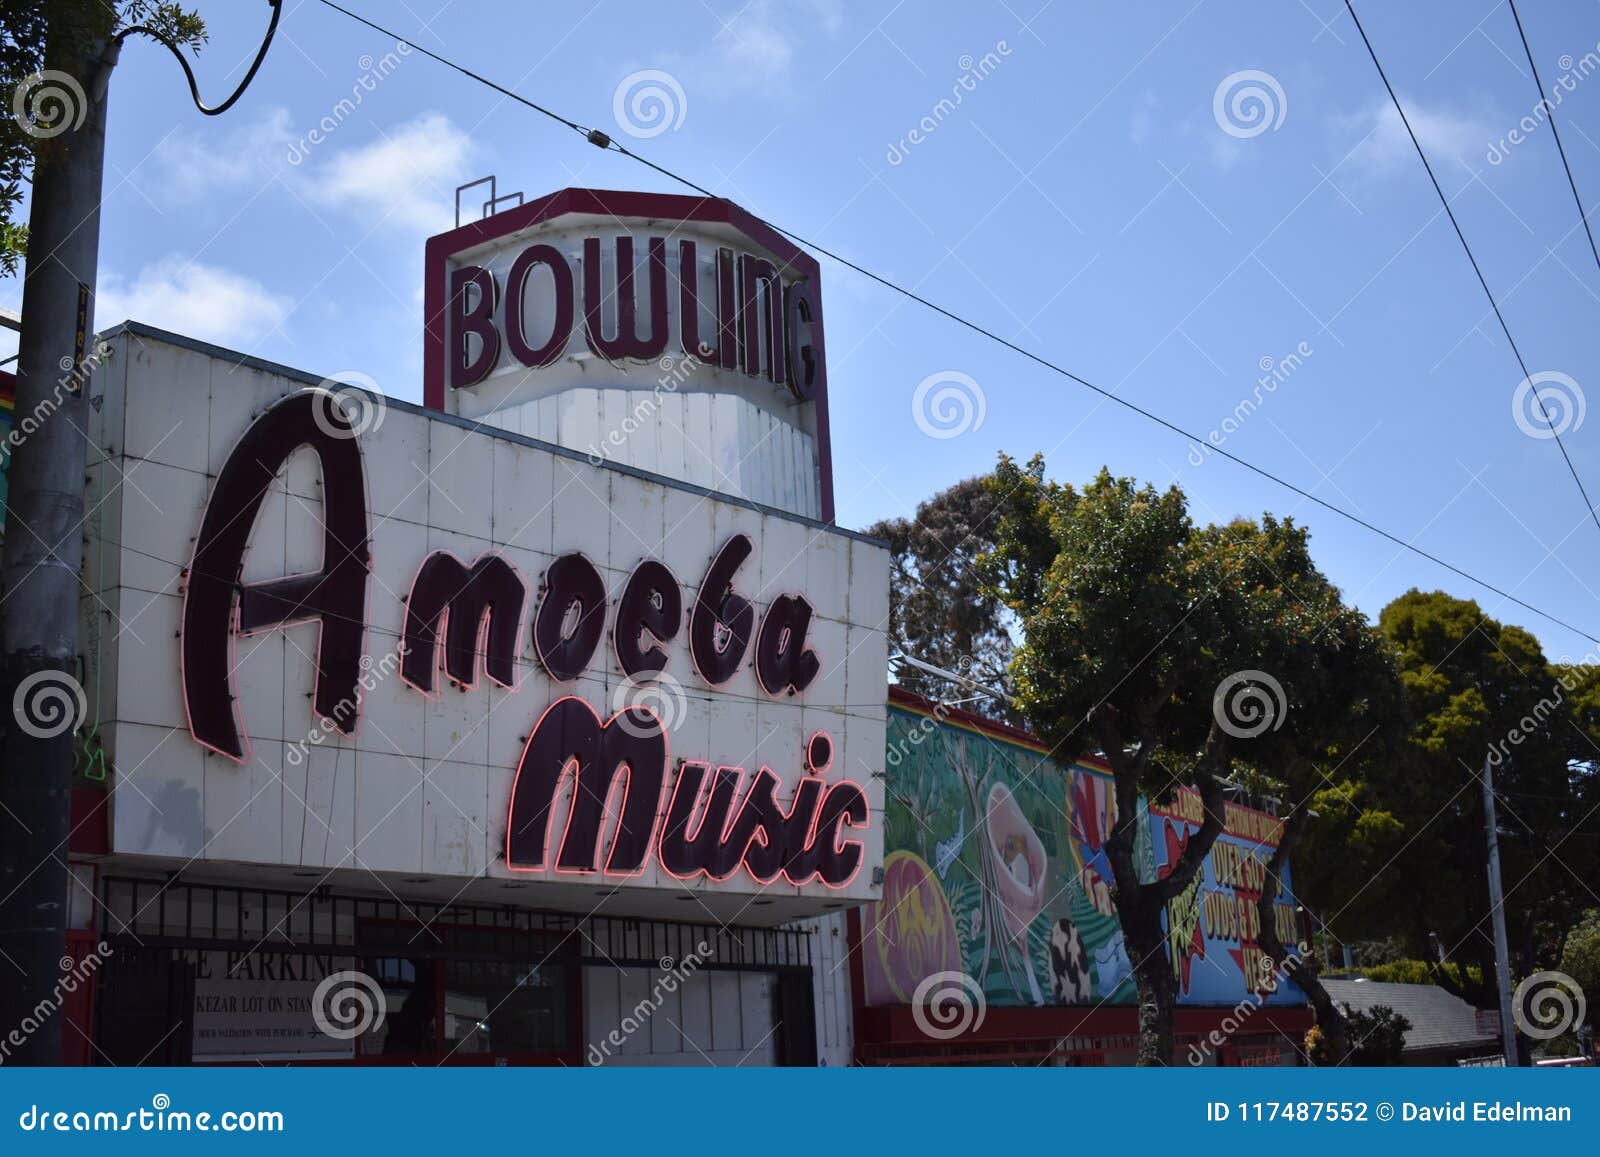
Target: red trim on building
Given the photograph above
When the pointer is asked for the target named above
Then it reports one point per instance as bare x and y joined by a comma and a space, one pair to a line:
889, 1034
910, 701
91, 825
616, 204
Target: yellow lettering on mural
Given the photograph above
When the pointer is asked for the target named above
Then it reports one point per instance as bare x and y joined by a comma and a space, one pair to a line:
1183, 917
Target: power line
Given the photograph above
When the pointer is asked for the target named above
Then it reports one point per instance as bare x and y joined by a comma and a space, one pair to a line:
1462, 237
1555, 132
601, 140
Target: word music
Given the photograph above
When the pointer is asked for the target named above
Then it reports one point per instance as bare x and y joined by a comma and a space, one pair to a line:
757, 325
461, 616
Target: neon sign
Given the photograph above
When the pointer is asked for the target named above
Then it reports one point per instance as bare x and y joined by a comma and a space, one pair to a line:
465, 617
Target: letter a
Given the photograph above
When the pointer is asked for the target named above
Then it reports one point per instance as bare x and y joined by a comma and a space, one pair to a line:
217, 603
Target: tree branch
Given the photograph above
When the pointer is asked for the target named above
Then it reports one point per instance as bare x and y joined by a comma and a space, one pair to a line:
1212, 759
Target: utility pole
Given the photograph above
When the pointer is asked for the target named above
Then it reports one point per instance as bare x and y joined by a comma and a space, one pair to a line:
43, 553
1497, 910
40, 569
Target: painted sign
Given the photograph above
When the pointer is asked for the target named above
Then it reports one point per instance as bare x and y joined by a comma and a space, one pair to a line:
672, 333
1213, 926
448, 651
260, 1005
996, 867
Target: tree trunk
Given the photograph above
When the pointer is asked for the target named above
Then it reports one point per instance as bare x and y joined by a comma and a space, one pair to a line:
1329, 1019
1139, 913
40, 570
1146, 943
1140, 905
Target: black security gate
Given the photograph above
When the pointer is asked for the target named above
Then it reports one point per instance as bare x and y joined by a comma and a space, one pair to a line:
460, 983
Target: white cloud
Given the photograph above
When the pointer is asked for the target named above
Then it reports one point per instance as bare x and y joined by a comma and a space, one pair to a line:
406, 177
1447, 136
204, 301
1142, 123
192, 163
755, 51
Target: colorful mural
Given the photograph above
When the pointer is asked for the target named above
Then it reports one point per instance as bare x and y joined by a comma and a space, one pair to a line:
995, 866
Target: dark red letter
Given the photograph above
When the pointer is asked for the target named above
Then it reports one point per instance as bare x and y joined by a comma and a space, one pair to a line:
720, 625
335, 596
650, 602
445, 588
570, 734
477, 320
572, 588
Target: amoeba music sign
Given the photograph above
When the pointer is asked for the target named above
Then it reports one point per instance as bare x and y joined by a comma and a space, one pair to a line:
407, 645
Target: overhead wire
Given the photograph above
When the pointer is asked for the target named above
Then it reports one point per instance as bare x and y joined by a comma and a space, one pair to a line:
1494, 303
602, 140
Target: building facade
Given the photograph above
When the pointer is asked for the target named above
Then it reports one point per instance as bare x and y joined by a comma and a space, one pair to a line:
543, 723
548, 722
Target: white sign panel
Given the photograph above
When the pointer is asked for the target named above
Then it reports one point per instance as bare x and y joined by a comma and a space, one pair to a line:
367, 638
260, 1005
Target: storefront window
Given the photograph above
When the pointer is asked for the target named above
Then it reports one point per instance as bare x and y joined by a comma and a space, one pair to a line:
501, 1007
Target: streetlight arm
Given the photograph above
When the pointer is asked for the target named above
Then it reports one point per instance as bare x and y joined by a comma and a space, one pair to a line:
194, 88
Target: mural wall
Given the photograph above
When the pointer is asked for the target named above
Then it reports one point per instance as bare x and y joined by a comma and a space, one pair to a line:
995, 867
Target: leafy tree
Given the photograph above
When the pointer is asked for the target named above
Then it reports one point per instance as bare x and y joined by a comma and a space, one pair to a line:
1377, 1035
1134, 624
940, 611
36, 35
1476, 688
1580, 959
1424, 972
1340, 711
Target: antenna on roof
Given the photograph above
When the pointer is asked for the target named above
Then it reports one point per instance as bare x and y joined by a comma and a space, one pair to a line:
490, 207
954, 676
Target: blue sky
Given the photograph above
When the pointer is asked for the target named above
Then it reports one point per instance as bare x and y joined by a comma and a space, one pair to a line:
1083, 200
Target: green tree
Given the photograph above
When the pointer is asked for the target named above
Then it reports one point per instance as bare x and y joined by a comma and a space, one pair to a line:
25, 52
1137, 626
1340, 711
940, 610
1377, 1035
1580, 959
1477, 688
